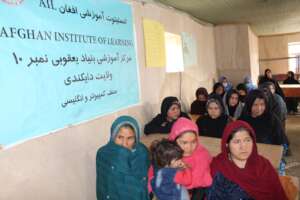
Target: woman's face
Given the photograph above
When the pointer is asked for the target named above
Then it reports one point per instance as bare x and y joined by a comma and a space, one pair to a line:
225, 83
188, 143
258, 107
242, 92
272, 89
269, 74
233, 100
125, 137
173, 112
220, 90
240, 146
202, 97
213, 110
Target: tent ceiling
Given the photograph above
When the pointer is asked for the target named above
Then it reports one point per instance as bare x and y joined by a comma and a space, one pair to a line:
265, 17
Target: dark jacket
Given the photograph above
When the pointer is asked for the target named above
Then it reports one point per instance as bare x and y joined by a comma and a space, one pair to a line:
224, 189
268, 128
160, 125
291, 102
198, 107
291, 80
122, 173
212, 127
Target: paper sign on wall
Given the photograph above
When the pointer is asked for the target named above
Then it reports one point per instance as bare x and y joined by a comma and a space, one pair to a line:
154, 43
189, 49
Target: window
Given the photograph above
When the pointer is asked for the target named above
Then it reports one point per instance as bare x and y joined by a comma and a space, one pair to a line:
174, 53
294, 56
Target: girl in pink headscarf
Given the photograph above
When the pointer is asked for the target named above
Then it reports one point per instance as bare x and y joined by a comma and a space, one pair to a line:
185, 133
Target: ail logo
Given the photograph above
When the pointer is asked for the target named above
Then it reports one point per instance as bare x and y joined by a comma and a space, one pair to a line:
13, 2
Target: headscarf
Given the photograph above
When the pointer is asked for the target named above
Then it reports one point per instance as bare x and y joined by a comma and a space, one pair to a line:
265, 78
199, 107
274, 106
228, 86
201, 91
121, 121
243, 87
215, 98
249, 84
233, 111
228, 96
291, 79
216, 85
259, 179
117, 166
213, 127
166, 104
200, 159
251, 97
292, 74
267, 126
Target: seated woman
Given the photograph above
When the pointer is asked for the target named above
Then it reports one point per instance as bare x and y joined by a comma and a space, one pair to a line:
239, 172
198, 106
268, 77
266, 124
291, 102
233, 105
170, 112
277, 104
242, 89
218, 89
225, 82
249, 84
122, 163
214, 122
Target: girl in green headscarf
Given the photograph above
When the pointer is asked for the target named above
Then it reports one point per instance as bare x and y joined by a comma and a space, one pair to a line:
122, 164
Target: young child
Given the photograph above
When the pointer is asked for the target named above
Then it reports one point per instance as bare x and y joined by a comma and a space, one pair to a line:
170, 172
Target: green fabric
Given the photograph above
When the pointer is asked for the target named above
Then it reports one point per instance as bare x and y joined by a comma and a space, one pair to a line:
122, 173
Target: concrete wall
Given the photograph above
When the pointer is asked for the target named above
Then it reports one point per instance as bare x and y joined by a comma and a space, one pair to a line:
61, 165
274, 47
236, 52
254, 55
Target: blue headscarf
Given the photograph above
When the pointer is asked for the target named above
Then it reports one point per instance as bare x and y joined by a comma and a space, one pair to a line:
121, 121
248, 82
226, 87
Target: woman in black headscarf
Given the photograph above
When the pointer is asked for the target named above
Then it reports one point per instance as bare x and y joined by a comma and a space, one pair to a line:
275, 101
233, 105
198, 106
268, 78
266, 124
213, 123
291, 103
242, 89
218, 89
170, 112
